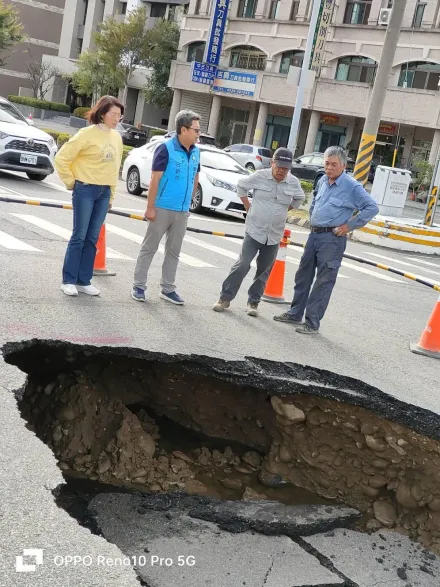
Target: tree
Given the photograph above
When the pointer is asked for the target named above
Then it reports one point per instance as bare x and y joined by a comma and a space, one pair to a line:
163, 42
11, 30
123, 45
42, 77
94, 78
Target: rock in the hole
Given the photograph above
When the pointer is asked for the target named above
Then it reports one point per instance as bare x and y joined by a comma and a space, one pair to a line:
252, 458
404, 497
287, 410
374, 443
104, 464
434, 504
250, 494
183, 457
193, 486
270, 480
231, 483
146, 443
385, 513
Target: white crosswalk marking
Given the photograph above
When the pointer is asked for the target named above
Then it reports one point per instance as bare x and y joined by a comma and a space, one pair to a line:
219, 250
424, 262
405, 263
289, 258
14, 244
64, 233
136, 238
369, 272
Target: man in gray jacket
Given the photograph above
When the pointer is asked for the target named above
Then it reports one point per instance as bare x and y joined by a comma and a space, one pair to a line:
275, 191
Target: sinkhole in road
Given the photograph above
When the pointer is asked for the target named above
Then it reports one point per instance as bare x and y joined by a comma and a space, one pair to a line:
125, 419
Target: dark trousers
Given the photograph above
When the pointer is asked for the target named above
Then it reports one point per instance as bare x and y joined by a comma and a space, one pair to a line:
322, 256
90, 206
265, 260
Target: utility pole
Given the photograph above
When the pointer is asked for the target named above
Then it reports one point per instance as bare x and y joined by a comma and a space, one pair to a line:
374, 114
294, 129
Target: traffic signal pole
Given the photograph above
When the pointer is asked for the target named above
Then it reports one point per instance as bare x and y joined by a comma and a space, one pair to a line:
374, 114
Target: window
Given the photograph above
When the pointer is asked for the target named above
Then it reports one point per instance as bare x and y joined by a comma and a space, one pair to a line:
317, 160
294, 10
294, 58
356, 69
357, 12
246, 8
196, 51
418, 15
197, 7
265, 153
234, 148
247, 57
158, 10
305, 160
420, 75
274, 9
124, 8
172, 14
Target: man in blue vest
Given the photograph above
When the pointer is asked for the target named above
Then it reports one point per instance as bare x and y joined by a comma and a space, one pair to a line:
174, 180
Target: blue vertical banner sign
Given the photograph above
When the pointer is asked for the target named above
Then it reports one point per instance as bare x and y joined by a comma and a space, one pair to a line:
216, 32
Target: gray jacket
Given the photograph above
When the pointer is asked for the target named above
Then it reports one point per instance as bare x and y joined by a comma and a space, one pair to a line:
266, 219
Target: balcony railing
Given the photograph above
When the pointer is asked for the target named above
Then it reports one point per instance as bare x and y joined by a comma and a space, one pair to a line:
248, 61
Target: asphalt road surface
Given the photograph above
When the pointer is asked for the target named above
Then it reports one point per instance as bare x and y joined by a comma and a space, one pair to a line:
372, 318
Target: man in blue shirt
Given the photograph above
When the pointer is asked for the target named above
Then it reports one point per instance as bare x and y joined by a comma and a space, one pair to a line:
340, 205
174, 181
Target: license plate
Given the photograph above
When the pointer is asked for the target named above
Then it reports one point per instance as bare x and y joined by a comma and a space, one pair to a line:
29, 159
136, 136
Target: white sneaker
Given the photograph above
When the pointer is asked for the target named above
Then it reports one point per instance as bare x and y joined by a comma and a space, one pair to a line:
90, 290
69, 289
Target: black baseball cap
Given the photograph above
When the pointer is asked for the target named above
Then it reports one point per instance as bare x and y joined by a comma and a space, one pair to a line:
283, 158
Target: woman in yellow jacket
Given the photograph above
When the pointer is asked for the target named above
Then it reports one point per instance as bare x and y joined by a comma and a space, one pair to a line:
89, 165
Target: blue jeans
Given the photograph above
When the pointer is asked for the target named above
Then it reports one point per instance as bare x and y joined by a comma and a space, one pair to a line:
322, 255
90, 206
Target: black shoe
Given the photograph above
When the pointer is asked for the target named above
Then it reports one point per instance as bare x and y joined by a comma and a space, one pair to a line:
286, 317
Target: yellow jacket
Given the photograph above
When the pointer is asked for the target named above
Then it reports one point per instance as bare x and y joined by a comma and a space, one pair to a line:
93, 155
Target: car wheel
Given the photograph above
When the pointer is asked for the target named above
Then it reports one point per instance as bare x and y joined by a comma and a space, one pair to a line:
250, 166
36, 176
317, 178
196, 202
134, 182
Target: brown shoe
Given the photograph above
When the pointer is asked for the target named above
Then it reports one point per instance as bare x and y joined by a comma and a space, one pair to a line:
221, 305
252, 309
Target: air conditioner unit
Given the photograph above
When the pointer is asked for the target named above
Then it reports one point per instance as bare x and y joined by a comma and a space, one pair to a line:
384, 16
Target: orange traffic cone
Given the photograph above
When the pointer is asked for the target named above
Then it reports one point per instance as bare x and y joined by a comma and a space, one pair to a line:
429, 343
99, 268
275, 284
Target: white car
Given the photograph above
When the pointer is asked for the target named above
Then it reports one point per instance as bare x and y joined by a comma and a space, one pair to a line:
24, 147
219, 175
250, 156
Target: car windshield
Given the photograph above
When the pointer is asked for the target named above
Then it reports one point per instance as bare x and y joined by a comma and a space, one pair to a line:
9, 114
220, 161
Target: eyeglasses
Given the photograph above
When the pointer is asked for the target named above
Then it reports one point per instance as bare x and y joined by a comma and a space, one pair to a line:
196, 130
115, 115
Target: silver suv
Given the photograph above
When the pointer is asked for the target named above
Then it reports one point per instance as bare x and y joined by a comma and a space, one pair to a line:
250, 156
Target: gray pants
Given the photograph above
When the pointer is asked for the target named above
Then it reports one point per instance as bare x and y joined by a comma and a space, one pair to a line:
266, 258
322, 256
173, 224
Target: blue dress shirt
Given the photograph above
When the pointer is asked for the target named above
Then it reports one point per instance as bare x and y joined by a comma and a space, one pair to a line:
334, 205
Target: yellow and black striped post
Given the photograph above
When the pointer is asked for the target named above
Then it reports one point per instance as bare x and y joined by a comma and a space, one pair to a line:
364, 158
430, 207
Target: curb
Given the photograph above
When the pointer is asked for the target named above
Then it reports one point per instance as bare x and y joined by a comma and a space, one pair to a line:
298, 221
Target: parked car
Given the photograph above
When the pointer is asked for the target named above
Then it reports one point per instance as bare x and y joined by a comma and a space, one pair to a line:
218, 178
131, 136
23, 147
250, 156
311, 167
204, 139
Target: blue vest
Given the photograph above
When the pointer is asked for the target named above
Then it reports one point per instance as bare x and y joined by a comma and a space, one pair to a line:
177, 183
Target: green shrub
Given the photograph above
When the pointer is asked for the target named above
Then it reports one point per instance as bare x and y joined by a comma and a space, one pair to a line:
307, 186
81, 111
42, 104
63, 137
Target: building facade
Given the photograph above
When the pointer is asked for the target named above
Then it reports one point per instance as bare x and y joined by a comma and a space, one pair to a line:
266, 37
81, 20
42, 22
